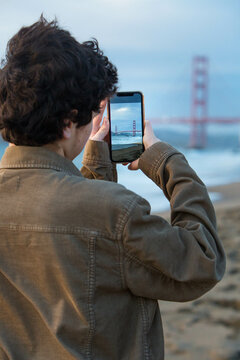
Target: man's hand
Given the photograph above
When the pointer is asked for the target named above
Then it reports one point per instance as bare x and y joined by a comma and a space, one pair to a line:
149, 139
100, 132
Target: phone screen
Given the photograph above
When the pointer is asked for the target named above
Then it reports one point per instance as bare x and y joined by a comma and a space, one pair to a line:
126, 116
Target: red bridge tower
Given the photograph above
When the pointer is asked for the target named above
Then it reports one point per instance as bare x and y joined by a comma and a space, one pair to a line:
199, 116
134, 127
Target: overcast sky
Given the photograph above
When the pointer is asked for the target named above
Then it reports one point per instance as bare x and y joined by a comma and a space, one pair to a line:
124, 114
152, 43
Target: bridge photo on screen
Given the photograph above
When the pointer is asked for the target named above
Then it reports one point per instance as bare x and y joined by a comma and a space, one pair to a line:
126, 131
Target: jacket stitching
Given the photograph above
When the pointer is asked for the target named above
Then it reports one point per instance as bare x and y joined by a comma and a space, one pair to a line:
165, 155
32, 165
119, 229
42, 165
91, 293
131, 257
151, 268
95, 162
94, 175
158, 160
123, 217
145, 328
54, 229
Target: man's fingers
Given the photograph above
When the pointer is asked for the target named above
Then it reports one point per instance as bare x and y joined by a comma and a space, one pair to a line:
105, 126
102, 132
96, 124
97, 119
134, 165
149, 137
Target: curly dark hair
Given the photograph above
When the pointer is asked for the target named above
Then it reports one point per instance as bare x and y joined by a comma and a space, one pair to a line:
47, 74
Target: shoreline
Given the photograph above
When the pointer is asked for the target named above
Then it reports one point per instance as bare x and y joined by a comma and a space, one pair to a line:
209, 327
229, 198
230, 195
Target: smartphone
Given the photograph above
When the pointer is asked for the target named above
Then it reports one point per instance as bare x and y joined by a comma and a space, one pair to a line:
126, 117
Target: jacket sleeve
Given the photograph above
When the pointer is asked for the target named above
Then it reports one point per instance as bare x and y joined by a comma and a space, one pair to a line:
97, 163
182, 260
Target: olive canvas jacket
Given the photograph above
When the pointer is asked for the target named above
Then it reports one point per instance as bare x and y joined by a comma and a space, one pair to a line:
83, 262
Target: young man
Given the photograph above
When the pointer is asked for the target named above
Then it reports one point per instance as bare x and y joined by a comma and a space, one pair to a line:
82, 260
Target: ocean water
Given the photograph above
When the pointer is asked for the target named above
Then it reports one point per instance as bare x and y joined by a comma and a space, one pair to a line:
125, 139
217, 164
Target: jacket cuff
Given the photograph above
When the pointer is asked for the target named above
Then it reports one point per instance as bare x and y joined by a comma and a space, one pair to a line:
153, 157
97, 151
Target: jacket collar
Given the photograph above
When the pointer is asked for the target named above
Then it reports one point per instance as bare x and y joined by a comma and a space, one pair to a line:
36, 157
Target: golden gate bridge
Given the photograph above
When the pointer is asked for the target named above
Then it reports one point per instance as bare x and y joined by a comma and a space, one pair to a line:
133, 131
198, 118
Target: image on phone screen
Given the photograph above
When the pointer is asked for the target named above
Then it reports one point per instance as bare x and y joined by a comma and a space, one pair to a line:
126, 115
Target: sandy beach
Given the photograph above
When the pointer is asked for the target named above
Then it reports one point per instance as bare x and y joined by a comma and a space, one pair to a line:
209, 328
127, 153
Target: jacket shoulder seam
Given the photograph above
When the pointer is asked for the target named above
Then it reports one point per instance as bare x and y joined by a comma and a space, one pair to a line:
164, 156
119, 231
60, 229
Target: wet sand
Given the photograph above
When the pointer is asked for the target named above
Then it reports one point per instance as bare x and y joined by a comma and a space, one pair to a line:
209, 328
131, 152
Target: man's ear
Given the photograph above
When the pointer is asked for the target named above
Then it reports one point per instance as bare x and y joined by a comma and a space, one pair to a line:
68, 128
68, 124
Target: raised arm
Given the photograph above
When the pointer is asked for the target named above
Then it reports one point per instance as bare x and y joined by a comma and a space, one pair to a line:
97, 163
96, 159
178, 261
